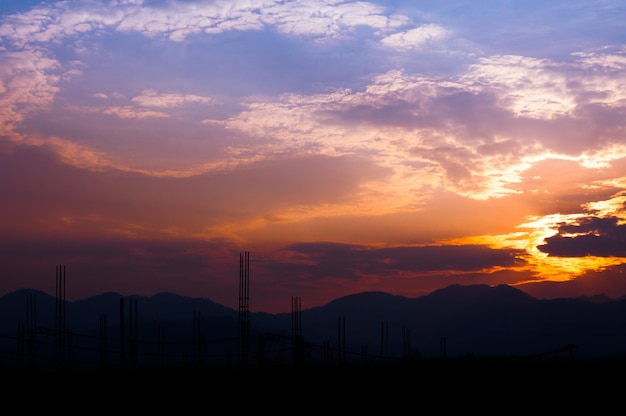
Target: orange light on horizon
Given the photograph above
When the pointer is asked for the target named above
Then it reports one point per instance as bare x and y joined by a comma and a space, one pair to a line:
542, 265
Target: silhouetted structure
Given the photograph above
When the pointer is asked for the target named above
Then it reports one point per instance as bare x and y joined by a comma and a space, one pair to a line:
197, 340
122, 336
161, 345
442, 348
26, 335
406, 342
244, 309
297, 341
103, 341
341, 341
61, 334
129, 345
384, 340
45, 349
133, 330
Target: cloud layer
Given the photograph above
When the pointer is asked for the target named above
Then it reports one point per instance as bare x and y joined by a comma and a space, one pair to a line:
348, 145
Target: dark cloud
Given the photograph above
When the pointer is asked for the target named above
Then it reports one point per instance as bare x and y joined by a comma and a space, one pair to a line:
593, 236
452, 257
315, 261
345, 261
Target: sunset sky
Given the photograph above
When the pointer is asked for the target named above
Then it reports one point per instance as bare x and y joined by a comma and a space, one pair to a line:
348, 146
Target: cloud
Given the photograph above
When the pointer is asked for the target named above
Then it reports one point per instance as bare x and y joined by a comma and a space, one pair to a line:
329, 19
132, 112
26, 85
543, 89
590, 236
419, 37
151, 98
54, 22
345, 261
479, 131
483, 129
317, 18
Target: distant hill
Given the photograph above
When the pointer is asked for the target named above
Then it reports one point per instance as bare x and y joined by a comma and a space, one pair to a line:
457, 321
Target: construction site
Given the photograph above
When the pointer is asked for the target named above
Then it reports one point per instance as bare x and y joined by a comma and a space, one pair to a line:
128, 345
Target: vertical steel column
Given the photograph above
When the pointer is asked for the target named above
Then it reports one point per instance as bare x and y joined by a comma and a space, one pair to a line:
244, 299
406, 341
384, 337
31, 326
197, 344
132, 331
442, 347
103, 341
60, 332
122, 339
297, 342
161, 345
341, 340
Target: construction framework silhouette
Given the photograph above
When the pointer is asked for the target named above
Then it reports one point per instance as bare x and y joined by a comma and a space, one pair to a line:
59, 348
244, 310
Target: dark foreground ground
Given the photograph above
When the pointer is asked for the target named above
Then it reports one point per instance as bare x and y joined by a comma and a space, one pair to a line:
497, 386
440, 372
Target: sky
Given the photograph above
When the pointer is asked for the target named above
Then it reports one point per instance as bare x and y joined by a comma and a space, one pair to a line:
347, 146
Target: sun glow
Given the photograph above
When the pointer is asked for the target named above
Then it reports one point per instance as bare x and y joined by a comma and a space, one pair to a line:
535, 231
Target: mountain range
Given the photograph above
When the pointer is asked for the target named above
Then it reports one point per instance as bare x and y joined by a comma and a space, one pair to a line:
457, 322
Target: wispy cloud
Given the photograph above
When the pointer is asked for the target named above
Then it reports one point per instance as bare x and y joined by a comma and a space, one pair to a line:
151, 98
419, 37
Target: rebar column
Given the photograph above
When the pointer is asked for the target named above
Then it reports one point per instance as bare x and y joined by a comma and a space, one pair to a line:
244, 304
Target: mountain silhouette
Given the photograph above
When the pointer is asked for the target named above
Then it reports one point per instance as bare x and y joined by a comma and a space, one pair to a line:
456, 322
